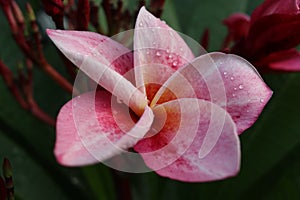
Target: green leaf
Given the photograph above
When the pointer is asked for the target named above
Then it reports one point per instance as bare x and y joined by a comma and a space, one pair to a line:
31, 181
100, 181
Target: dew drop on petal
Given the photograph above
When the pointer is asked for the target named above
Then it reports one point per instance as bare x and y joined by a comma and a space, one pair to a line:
235, 88
158, 53
140, 24
175, 63
233, 94
170, 56
232, 78
147, 52
225, 73
241, 87
119, 101
181, 49
262, 100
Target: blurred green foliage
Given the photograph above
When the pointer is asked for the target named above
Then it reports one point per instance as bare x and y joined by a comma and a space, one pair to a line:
270, 149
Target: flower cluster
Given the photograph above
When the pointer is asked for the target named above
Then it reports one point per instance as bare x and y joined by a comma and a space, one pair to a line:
269, 37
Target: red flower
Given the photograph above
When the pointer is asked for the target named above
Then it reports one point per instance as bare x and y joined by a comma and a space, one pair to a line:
269, 37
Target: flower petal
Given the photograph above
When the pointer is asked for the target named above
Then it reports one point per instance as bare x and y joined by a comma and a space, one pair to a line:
156, 42
88, 132
198, 142
288, 61
266, 35
78, 45
238, 25
269, 7
100, 57
227, 80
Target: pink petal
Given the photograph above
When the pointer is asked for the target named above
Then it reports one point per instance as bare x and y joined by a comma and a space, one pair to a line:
198, 142
79, 44
89, 132
270, 7
227, 80
155, 42
100, 57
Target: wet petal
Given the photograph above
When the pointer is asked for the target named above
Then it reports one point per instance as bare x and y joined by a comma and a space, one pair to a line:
100, 58
198, 142
227, 80
88, 132
156, 42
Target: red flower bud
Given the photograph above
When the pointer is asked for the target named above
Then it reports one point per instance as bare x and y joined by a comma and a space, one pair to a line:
53, 7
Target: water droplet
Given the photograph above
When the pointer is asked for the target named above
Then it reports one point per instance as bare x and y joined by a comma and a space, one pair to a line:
147, 52
233, 94
119, 101
170, 56
158, 53
175, 63
235, 88
168, 50
232, 78
225, 73
140, 24
181, 49
247, 111
262, 100
241, 87
163, 21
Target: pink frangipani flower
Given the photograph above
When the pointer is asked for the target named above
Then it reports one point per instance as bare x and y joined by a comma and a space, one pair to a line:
182, 114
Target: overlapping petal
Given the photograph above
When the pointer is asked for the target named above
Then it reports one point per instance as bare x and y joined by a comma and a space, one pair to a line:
100, 58
177, 150
269, 7
266, 35
87, 131
200, 105
156, 43
226, 80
